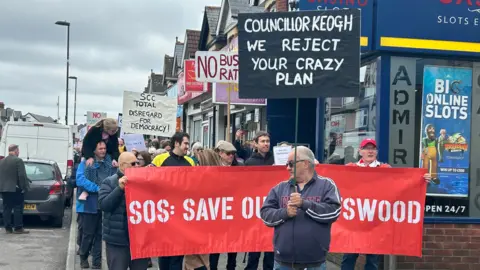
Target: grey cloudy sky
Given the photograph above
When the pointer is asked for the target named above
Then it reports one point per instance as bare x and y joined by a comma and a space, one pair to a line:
113, 46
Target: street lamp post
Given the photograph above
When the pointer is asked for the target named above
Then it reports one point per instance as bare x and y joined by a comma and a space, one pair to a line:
74, 101
67, 24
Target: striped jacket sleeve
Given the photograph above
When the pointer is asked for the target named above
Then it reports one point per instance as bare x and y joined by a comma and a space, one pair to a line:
271, 212
328, 210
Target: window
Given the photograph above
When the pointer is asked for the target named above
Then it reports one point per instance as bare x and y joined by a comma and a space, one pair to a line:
39, 171
349, 120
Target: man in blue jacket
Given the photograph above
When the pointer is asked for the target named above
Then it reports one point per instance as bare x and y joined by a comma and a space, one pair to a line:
296, 208
88, 180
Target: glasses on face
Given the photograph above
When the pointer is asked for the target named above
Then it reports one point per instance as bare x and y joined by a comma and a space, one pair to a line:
291, 163
230, 153
135, 163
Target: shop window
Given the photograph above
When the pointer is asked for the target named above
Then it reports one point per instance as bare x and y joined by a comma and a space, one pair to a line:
197, 129
196, 106
443, 138
349, 120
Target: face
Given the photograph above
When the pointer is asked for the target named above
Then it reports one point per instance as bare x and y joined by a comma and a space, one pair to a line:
227, 157
431, 132
101, 150
369, 153
168, 148
141, 160
17, 152
130, 162
184, 146
197, 151
263, 144
120, 142
302, 165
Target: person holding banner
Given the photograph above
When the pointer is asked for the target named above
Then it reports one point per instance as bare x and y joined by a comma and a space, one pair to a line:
261, 157
368, 153
180, 143
303, 223
112, 202
104, 130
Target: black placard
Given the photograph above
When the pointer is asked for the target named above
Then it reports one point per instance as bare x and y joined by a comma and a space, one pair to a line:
306, 54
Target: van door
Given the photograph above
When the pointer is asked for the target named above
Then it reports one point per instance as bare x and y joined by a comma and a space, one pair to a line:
23, 136
53, 144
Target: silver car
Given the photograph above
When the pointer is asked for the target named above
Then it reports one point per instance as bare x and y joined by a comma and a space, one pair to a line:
47, 194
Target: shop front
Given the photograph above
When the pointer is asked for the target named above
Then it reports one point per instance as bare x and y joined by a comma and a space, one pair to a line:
420, 99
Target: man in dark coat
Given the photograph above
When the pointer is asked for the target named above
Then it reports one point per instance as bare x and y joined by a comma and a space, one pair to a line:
262, 157
13, 185
115, 225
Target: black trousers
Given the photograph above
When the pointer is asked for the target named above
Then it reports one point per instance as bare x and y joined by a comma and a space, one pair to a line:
13, 201
171, 263
79, 230
91, 237
254, 258
231, 261
118, 258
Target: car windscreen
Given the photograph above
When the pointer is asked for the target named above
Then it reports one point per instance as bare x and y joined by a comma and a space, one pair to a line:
39, 171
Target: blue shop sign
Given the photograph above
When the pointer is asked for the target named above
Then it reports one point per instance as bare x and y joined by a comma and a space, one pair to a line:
366, 6
441, 26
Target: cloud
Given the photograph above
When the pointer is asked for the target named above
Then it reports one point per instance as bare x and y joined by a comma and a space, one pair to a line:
113, 47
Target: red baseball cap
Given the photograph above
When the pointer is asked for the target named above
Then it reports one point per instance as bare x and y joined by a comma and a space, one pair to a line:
368, 141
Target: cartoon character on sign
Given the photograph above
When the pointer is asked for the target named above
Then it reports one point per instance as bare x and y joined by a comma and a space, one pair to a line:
429, 152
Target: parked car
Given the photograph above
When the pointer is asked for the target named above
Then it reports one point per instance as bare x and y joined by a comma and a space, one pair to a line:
47, 195
42, 141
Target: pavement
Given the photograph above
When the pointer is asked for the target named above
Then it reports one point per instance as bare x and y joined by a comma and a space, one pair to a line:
42, 249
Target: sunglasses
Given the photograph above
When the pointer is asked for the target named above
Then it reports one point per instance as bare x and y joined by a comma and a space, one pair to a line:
291, 163
134, 163
230, 153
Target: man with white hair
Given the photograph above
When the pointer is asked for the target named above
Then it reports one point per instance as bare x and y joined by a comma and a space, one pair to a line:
295, 208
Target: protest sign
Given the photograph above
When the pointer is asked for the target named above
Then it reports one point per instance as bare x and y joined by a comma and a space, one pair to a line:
149, 114
445, 133
299, 54
134, 141
280, 154
219, 212
216, 66
94, 117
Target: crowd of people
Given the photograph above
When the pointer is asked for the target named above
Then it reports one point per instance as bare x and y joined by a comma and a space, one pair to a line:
314, 201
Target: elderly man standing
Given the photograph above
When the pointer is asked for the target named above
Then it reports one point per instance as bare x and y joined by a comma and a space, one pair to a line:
313, 205
115, 230
13, 185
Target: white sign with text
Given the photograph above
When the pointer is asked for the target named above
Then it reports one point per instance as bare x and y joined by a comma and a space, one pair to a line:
94, 117
217, 67
280, 154
149, 114
134, 141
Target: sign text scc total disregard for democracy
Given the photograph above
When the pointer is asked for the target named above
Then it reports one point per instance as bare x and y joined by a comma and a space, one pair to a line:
299, 54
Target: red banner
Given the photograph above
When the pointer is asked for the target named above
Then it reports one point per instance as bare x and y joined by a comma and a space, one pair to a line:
202, 210
191, 84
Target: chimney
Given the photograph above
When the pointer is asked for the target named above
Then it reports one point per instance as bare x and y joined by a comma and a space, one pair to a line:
2, 105
176, 39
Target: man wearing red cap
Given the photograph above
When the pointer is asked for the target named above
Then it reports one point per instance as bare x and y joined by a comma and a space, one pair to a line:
368, 153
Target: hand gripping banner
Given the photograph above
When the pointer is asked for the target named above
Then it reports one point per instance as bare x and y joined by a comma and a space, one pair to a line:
201, 210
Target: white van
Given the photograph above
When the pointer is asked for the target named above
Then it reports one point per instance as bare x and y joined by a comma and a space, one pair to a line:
40, 141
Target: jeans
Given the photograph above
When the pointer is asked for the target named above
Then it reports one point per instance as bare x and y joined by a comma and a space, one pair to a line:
118, 258
277, 266
231, 261
13, 201
91, 237
254, 258
171, 263
349, 261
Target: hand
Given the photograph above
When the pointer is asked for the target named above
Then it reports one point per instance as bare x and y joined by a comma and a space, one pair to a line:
238, 134
427, 177
291, 210
89, 162
296, 199
114, 163
122, 182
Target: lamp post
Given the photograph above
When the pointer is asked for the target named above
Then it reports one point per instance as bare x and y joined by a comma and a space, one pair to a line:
74, 101
67, 24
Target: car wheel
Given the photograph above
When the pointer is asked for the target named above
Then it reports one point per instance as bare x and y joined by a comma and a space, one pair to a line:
57, 222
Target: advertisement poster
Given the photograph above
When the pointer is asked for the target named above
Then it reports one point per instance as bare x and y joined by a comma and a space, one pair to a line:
445, 130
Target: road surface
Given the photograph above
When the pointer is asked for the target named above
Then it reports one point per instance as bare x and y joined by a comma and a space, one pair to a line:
45, 248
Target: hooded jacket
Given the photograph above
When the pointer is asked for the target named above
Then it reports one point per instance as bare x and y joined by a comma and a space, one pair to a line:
304, 239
